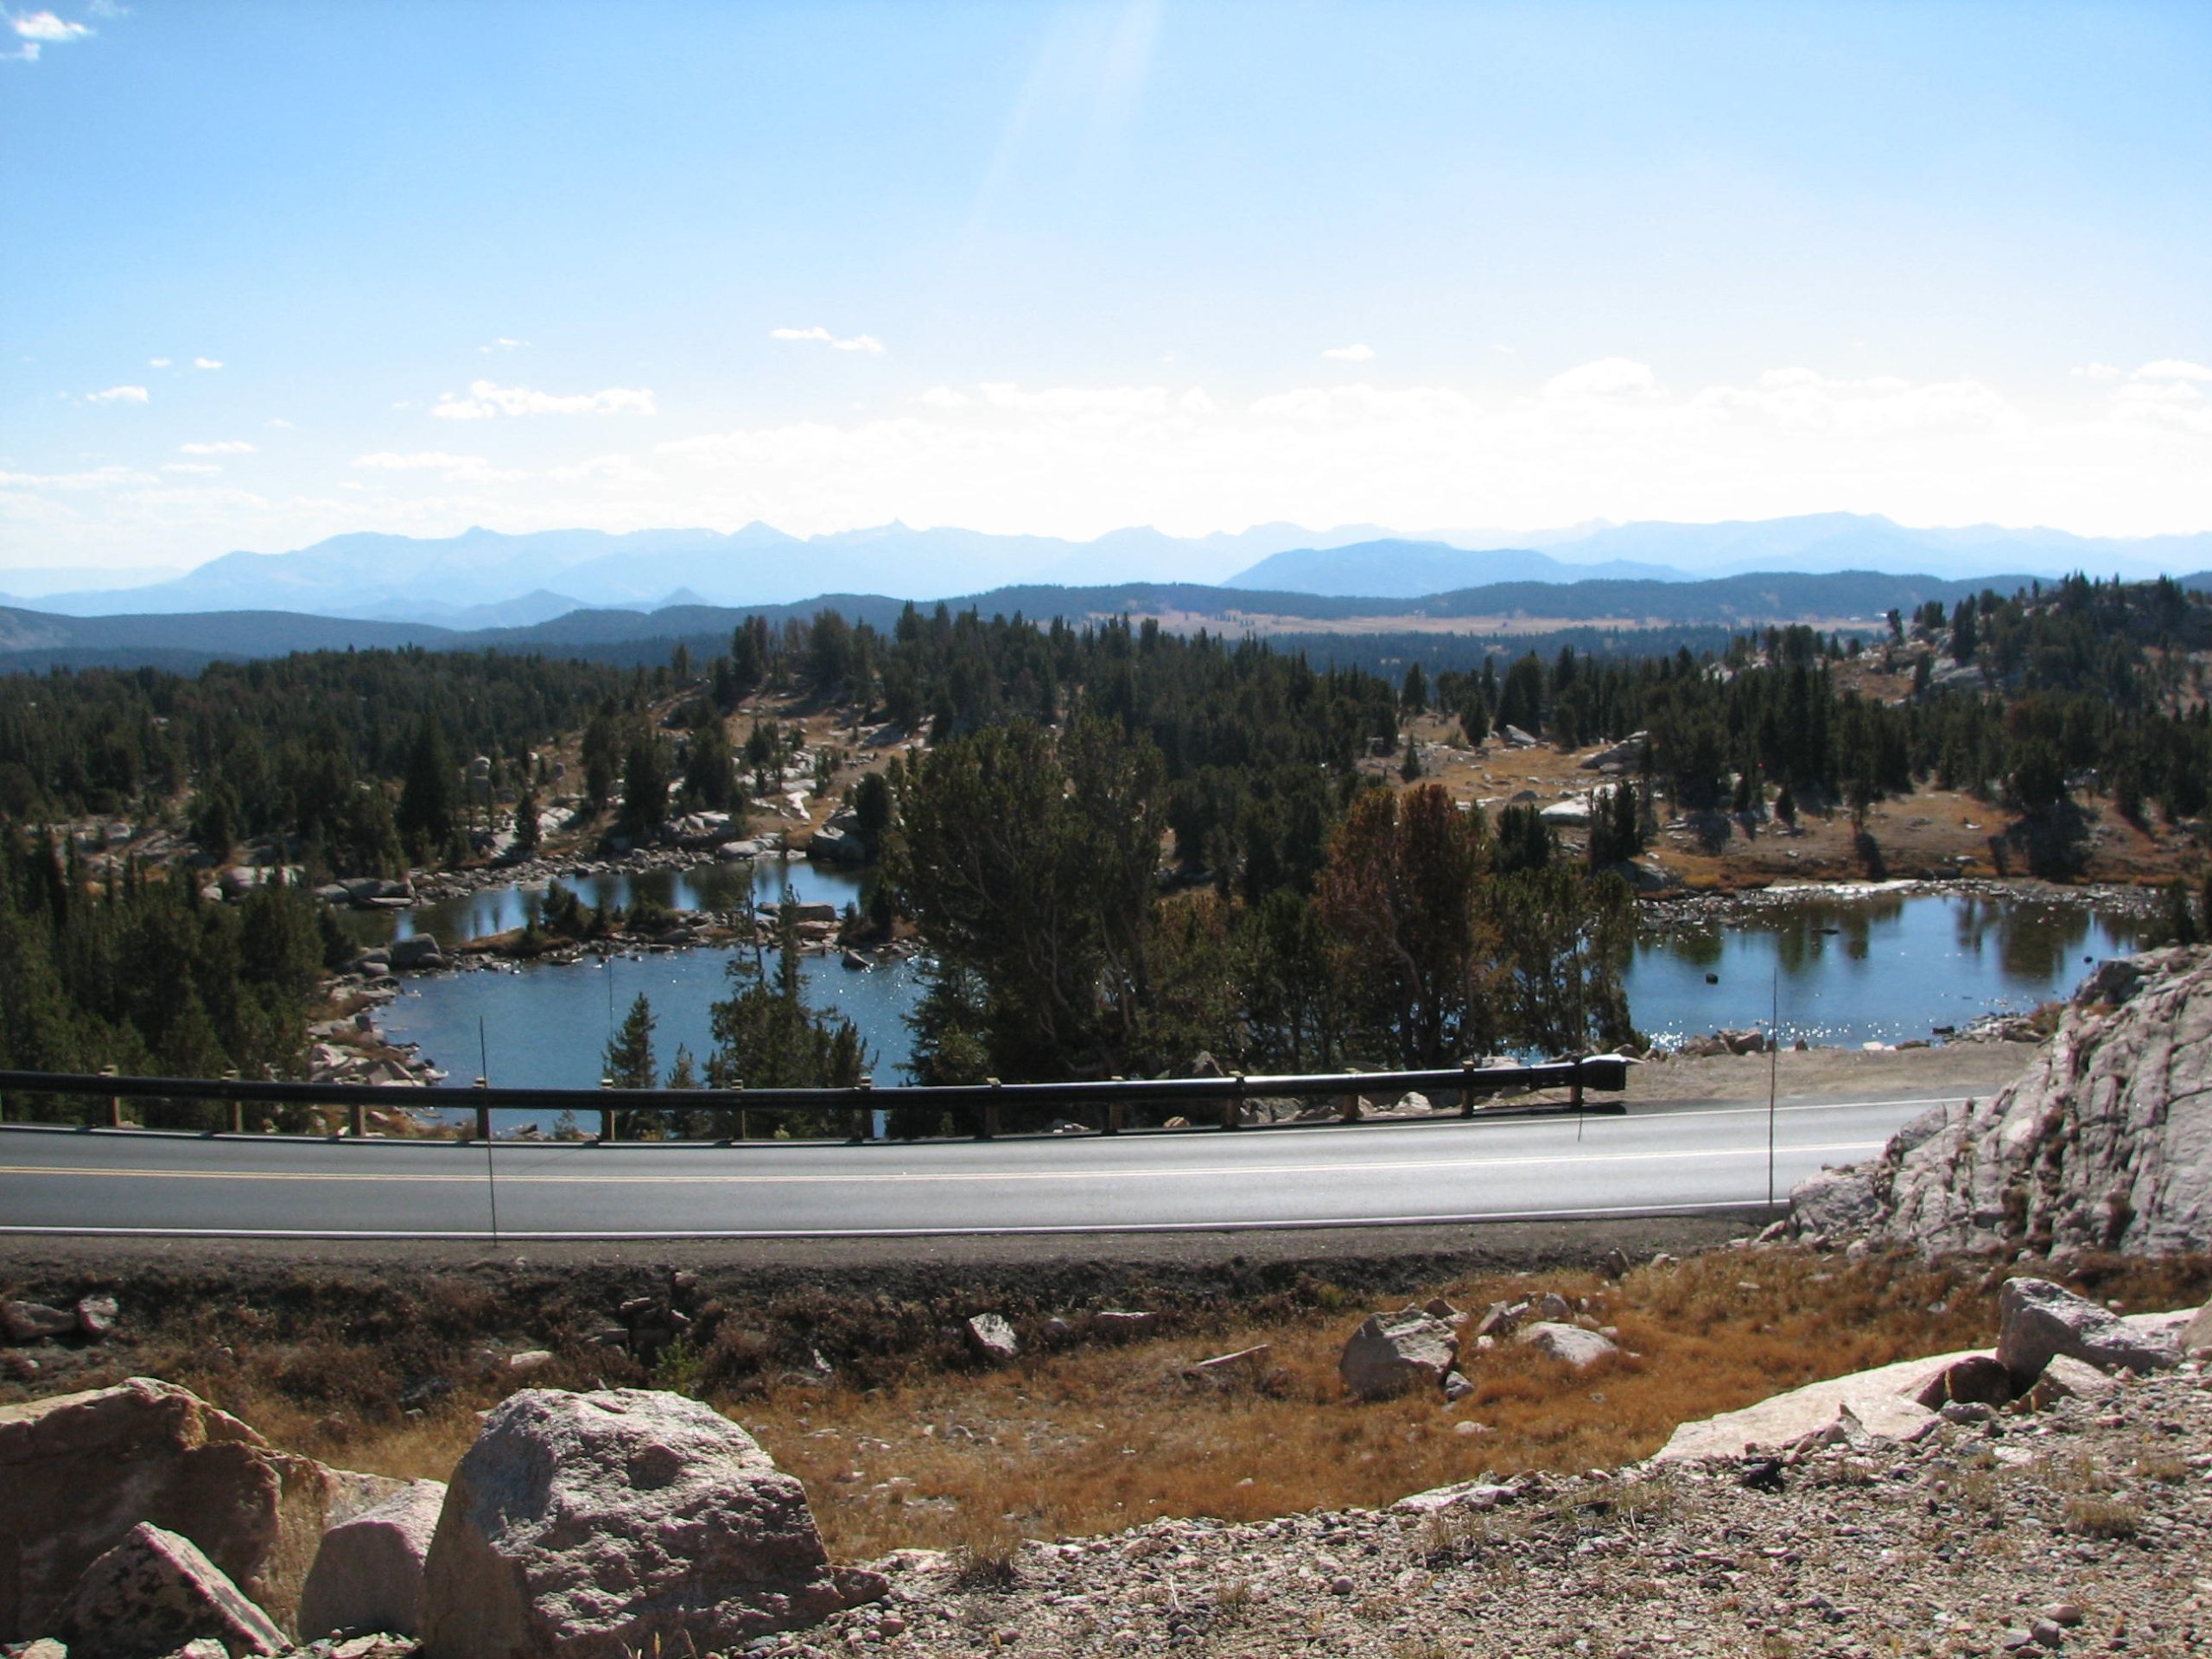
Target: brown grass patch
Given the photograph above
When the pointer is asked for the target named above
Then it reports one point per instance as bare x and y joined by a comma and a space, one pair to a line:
910, 1445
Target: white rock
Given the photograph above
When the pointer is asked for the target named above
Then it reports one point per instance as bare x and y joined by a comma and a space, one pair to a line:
1879, 1402
599, 1526
1571, 1343
1390, 1353
368, 1573
2036, 1319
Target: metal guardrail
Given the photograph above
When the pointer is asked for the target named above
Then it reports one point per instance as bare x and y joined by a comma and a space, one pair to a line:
984, 1103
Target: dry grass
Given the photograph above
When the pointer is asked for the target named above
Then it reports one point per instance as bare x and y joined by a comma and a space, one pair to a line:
1096, 1437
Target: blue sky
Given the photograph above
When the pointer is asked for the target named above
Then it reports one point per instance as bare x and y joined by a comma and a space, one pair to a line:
1063, 268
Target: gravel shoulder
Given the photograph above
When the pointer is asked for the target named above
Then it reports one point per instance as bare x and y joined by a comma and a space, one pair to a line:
2087, 1528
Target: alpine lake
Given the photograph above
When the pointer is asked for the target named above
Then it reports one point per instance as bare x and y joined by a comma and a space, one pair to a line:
1844, 966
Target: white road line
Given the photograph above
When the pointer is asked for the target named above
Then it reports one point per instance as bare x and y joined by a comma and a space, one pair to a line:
1057, 1229
1334, 1167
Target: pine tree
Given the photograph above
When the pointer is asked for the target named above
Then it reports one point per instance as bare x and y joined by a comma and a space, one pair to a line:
526, 831
628, 1063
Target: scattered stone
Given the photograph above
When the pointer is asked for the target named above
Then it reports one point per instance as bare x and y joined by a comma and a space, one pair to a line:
27, 1322
1571, 1343
1456, 1387
528, 1360
96, 1317
368, 1573
1979, 1379
1390, 1353
1438, 1308
597, 1526
1245, 1365
2036, 1319
152, 1593
1553, 1306
992, 1339
78, 1471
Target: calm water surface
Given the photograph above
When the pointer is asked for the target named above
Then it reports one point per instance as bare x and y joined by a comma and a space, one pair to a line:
1880, 967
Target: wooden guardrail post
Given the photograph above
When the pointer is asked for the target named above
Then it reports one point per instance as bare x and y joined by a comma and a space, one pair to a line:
1232, 1108
236, 1106
1349, 1111
1115, 1110
114, 1102
483, 1113
357, 1118
744, 1119
605, 1115
861, 1120
990, 1126
1466, 1088
1575, 1082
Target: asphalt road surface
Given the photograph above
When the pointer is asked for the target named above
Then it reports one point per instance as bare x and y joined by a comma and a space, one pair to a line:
1670, 1159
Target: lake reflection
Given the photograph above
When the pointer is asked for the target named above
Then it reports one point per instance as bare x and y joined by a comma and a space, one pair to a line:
1854, 969
1883, 967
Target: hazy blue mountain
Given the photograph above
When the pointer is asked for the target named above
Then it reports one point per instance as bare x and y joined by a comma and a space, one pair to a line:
1392, 568
1846, 541
485, 577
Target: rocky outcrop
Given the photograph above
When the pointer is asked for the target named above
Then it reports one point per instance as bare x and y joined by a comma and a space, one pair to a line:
598, 1526
1883, 1403
2106, 1143
1391, 1353
991, 1339
78, 1472
2038, 1321
368, 1573
154, 1593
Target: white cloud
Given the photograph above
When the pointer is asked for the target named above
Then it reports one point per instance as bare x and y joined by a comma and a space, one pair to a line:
220, 447
613, 469
98, 478
1609, 377
1605, 439
2173, 368
502, 344
2098, 372
1351, 354
190, 467
158, 362
45, 28
486, 400
278, 421
472, 469
207, 363
117, 395
867, 343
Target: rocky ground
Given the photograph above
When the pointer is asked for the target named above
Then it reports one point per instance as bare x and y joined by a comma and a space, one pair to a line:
2087, 1528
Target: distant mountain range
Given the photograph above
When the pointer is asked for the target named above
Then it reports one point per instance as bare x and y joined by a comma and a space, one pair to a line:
485, 579
1851, 600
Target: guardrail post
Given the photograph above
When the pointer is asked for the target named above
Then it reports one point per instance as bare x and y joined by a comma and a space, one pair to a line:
605, 1115
1466, 1088
744, 1118
1575, 1082
238, 1107
1115, 1111
863, 1120
357, 1118
990, 1128
1349, 1110
483, 1113
1232, 1109
114, 1102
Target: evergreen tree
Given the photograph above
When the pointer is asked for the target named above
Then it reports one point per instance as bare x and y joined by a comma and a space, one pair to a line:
526, 829
645, 785
427, 795
710, 771
628, 1061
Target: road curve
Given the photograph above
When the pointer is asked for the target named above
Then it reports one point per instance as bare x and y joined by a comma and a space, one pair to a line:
1665, 1159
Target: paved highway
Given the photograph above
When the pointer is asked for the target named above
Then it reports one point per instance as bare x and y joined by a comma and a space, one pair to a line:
1661, 1159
